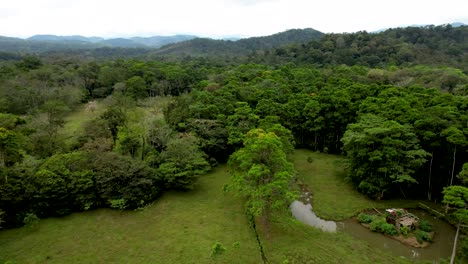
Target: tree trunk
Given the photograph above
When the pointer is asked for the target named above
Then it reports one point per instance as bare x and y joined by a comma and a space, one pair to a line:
453, 165
315, 141
429, 193
266, 221
454, 250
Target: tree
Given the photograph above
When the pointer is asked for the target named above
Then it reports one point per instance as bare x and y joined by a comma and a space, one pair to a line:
136, 87
463, 175
240, 123
182, 162
456, 137
382, 155
262, 175
115, 117
457, 198
125, 180
10, 151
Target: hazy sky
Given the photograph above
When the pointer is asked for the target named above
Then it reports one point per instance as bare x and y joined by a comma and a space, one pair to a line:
216, 18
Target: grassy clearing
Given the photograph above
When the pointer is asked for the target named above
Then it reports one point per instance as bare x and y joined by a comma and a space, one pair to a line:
294, 242
177, 228
180, 228
333, 197
74, 122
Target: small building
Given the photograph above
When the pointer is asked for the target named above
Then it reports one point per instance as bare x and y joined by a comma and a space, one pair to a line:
400, 218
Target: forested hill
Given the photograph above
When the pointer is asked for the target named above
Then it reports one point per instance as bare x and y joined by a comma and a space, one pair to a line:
191, 45
429, 45
211, 47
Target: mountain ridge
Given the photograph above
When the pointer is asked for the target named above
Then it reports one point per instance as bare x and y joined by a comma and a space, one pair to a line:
168, 44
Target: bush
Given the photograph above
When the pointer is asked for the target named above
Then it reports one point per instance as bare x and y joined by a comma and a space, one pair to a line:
404, 231
380, 225
365, 218
424, 225
118, 204
31, 220
217, 249
422, 236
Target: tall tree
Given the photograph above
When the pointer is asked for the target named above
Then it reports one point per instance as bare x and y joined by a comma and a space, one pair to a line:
262, 175
457, 198
456, 137
382, 154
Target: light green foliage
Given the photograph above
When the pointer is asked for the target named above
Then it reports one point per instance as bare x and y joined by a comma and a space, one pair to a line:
238, 124
118, 204
262, 174
405, 231
217, 249
379, 224
463, 175
457, 198
285, 135
365, 218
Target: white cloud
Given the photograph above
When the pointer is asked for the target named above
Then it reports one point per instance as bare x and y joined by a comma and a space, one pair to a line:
217, 18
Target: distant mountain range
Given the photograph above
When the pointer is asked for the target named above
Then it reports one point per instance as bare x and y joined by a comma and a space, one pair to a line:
205, 46
156, 46
454, 24
135, 42
177, 44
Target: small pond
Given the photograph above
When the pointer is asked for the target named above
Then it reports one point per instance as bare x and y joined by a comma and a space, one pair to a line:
440, 248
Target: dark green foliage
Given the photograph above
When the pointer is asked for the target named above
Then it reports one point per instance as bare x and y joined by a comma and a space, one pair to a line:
10, 148
422, 236
210, 47
424, 225
365, 218
382, 154
114, 117
121, 177
30, 220
182, 162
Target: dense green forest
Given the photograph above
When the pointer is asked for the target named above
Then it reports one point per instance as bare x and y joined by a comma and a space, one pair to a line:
394, 103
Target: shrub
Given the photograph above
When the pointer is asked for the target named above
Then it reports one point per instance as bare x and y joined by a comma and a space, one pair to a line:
404, 231
365, 218
380, 225
31, 220
118, 204
424, 225
422, 236
217, 249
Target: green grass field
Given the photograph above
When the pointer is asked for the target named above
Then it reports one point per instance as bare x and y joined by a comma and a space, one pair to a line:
182, 227
333, 197
177, 228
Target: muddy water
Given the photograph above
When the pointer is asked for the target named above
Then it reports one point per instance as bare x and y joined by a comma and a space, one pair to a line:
440, 248
303, 212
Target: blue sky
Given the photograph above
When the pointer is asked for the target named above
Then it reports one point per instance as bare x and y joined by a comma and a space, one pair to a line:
217, 18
